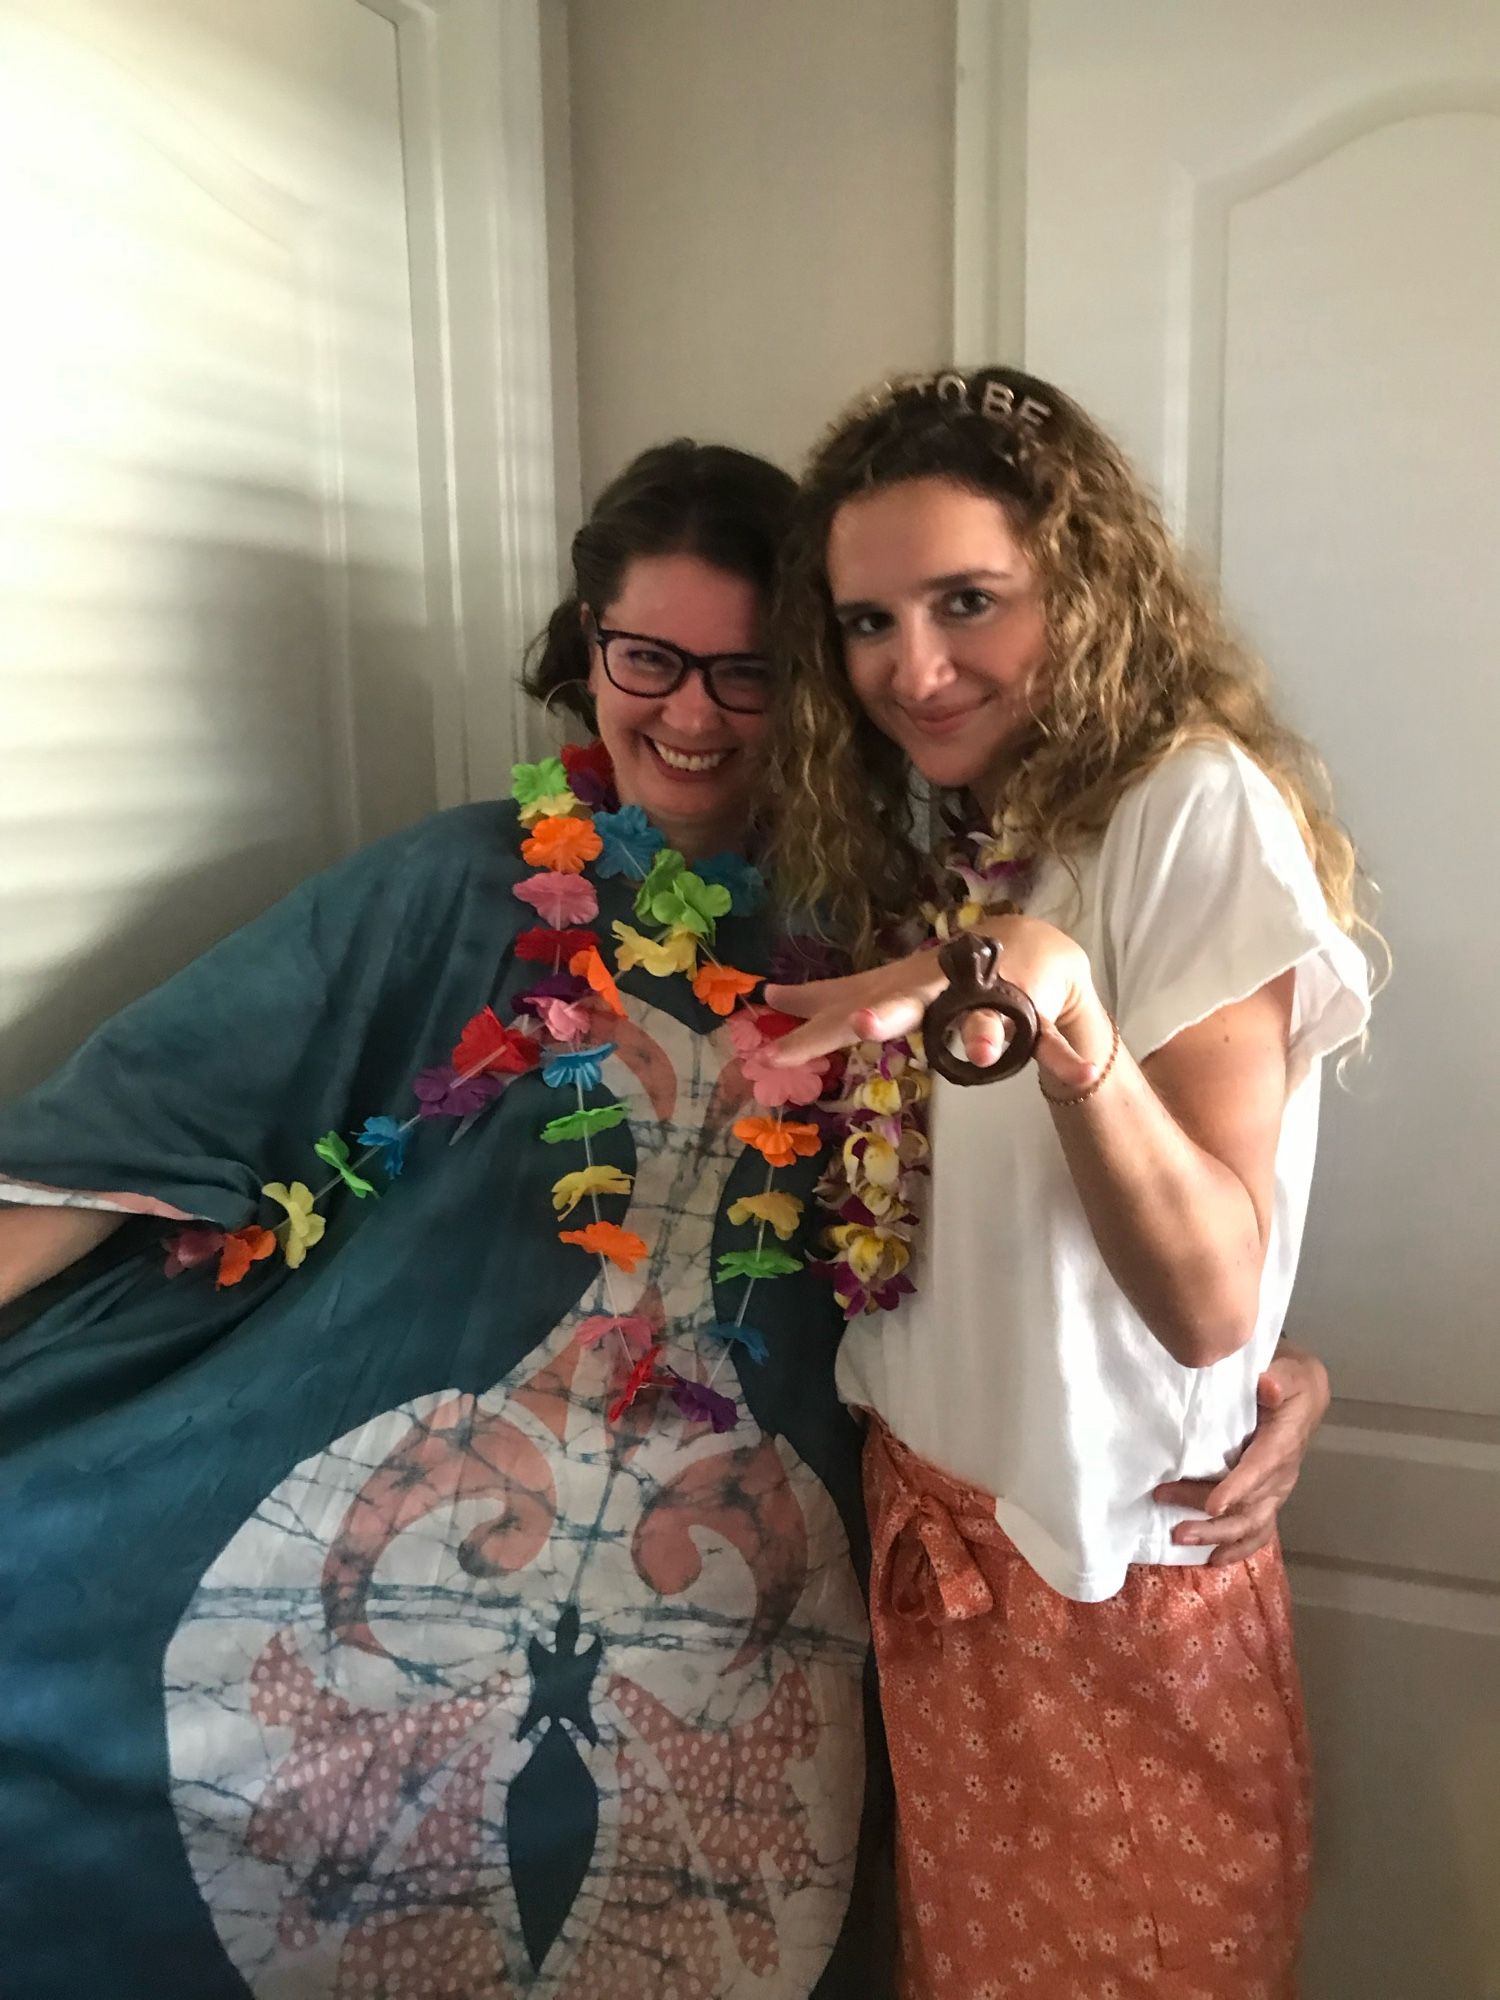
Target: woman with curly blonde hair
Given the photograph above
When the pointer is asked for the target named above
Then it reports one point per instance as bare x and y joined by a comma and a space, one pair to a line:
1097, 1735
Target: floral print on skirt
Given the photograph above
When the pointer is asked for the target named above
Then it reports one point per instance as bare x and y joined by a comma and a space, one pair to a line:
1096, 1801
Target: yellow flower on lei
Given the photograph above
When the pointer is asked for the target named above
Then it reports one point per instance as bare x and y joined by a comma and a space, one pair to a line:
574, 1188
556, 805
676, 952
870, 1158
873, 1255
879, 1093
782, 1211
303, 1226
1006, 845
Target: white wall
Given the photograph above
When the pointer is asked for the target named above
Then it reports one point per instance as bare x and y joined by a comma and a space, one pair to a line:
762, 196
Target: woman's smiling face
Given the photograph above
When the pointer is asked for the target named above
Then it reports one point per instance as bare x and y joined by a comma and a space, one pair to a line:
689, 763
943, 628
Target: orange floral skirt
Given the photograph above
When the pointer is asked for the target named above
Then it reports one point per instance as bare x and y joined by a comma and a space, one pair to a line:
1095, 1801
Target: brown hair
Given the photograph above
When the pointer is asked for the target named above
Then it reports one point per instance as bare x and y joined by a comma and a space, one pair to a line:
727, 507
1139, 660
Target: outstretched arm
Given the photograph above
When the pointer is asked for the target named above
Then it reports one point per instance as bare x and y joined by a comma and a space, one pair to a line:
1174, 1160
37, 1243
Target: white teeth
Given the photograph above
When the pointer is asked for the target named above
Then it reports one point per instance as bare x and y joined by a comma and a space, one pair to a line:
679, 760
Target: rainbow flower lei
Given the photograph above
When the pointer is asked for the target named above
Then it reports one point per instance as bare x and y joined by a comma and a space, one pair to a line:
870, 1187
564, 803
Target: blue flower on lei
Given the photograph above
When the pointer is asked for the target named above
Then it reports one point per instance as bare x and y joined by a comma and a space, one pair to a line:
732, 1333
583, 1067
389, 1136
743, 880
630, 842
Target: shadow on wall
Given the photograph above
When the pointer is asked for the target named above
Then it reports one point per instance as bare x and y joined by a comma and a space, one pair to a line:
221, 720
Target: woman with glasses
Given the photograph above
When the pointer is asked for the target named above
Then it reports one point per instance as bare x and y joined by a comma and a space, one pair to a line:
437, 1542
441, 1582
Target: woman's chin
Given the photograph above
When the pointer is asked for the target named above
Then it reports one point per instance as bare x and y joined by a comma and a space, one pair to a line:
952, 768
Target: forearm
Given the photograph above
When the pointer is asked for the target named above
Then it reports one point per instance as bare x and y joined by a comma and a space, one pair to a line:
37, 1243
1177, 1228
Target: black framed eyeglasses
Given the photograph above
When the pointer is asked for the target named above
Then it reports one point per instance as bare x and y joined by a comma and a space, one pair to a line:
640, 665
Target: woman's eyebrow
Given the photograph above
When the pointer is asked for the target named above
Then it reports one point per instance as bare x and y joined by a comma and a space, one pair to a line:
955, 580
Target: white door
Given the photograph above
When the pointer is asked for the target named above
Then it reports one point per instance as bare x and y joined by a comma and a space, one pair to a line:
212, 675
1263, 244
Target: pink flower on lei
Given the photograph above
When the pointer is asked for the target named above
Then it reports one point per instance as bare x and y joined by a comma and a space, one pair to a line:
560, 899
565, 1020
770, 1087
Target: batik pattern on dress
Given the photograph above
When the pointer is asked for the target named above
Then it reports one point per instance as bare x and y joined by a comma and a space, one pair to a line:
350, 1653
468, 1669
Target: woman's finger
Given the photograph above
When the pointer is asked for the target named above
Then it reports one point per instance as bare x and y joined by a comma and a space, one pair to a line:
1249, 1545
1226, 1528
820, 1036
1268, 1465
1059, 1061
815, 996
1185, 1493
883, 1023
838, 1028
986, 1036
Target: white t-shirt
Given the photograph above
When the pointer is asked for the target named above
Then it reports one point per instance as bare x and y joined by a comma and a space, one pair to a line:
1019, 1365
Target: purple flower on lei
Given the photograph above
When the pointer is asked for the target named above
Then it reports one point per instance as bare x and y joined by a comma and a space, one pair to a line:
556, 986
441, 1095
702, 1405
857, 1297
589, 788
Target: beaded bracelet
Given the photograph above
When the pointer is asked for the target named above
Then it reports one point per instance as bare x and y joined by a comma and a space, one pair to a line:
1067, 1103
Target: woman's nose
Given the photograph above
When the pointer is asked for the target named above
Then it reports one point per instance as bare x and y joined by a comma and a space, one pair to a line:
921, 665
691, 708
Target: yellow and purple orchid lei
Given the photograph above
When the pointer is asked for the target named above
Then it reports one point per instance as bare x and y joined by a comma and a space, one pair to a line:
880, 1116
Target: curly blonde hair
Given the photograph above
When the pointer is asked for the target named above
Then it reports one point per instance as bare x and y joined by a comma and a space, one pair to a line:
1138, 659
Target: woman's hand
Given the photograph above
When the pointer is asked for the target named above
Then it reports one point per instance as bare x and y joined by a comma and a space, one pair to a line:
1243, 1506
877, 1006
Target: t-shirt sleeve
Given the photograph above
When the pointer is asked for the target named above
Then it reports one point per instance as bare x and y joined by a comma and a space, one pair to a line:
1207, 893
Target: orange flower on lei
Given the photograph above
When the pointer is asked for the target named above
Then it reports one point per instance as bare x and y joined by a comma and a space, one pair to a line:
608, 1239
242, 1248
590, 966
720, 986
566, 845
778, 1141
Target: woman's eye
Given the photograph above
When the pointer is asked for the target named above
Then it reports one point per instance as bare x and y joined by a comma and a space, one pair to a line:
865, 624
971, 603
650, 658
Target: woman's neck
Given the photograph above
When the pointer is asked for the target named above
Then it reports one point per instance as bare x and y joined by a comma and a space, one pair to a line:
696, 840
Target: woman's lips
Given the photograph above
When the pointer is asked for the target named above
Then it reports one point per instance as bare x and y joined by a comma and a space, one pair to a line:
941, 722
687, 763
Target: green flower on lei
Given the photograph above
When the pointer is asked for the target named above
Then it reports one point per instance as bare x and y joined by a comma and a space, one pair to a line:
673, 896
